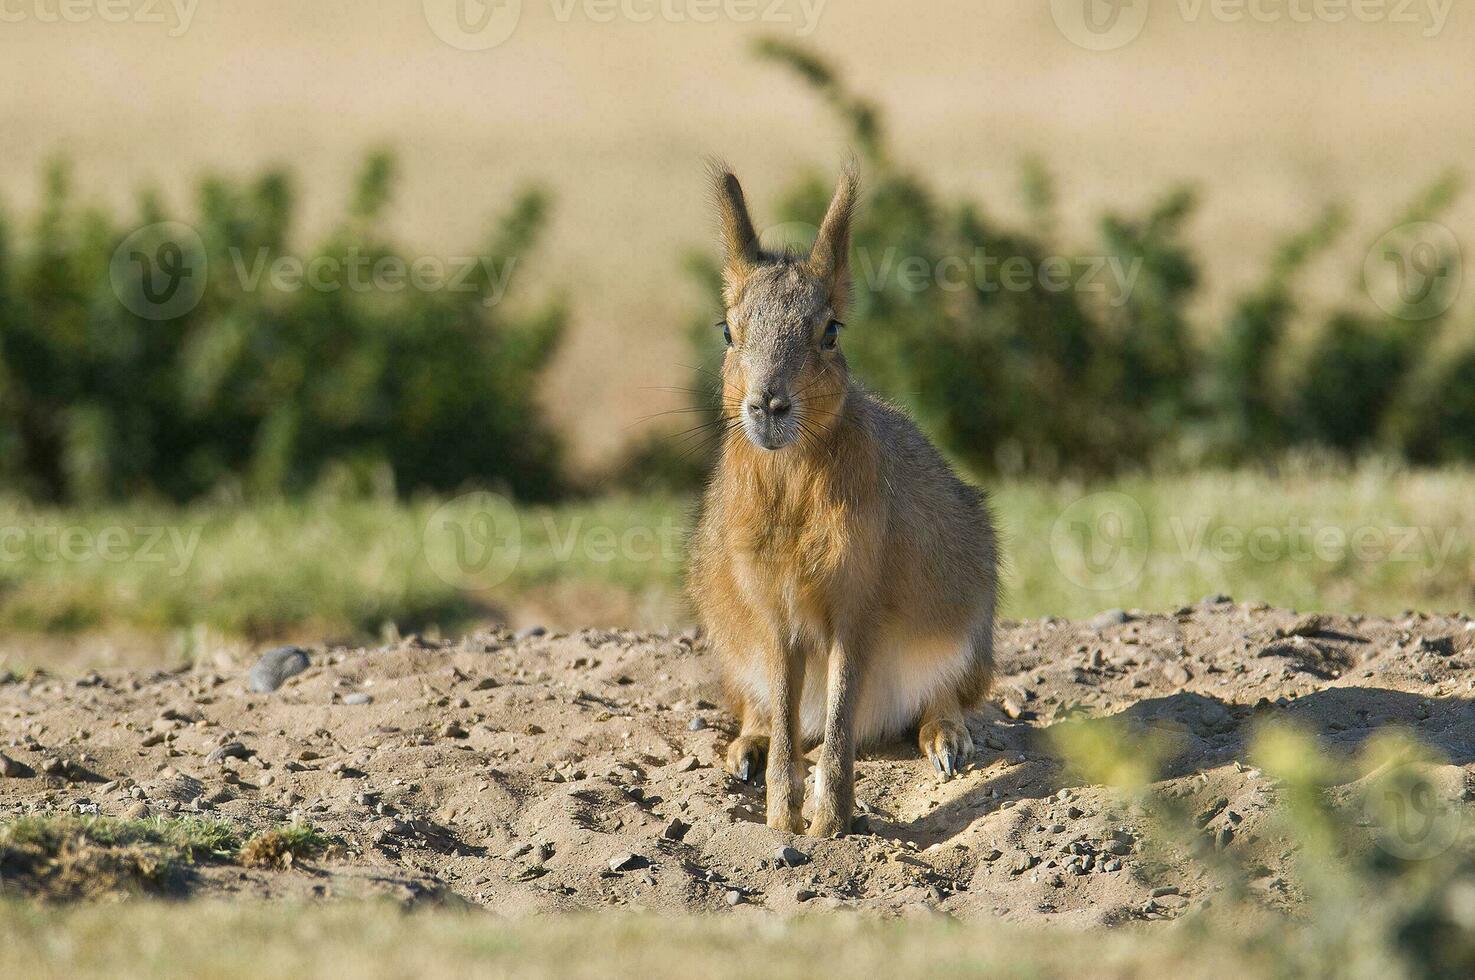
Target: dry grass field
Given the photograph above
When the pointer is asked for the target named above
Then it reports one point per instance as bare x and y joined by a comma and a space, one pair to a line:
1270, 119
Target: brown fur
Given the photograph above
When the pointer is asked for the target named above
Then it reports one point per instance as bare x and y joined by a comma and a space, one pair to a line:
845, 575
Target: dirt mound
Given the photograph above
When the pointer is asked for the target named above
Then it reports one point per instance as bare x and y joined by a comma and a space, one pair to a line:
552, 773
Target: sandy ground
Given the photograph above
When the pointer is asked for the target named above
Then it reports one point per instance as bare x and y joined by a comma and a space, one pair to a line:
564, 772
615, 115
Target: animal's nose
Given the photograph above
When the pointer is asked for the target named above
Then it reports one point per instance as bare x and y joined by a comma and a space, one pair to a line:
776, 406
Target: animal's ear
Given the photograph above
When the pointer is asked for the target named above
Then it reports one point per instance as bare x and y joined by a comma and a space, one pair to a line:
830, 258
739, 240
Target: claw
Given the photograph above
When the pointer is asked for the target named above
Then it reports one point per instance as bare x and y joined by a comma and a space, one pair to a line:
948, 768
744, 768
937, 764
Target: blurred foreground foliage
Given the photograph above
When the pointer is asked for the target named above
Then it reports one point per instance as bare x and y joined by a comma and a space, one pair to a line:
1024, 354
172, 360
1374, 860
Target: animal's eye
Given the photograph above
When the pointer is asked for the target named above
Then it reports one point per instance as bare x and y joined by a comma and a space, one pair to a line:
726, 333
832, 335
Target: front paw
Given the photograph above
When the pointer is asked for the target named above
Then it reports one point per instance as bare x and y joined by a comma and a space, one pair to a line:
747, 758
948, 745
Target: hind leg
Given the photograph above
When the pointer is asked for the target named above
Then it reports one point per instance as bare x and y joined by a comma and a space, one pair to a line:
943, 734
747, 756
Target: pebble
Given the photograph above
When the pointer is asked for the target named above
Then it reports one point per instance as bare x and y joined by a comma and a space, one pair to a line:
790, 857
697, 724
530, 632
230, 750
628, 861
275, 666
358, 697
1176, 674
14, 768
734, 898
137, 810
1109, 618
675, 829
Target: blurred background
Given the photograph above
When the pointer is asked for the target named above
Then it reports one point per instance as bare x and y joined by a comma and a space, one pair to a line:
333, 320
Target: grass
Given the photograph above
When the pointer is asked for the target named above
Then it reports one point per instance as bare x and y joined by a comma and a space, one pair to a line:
67, 857
281, 847
1373, 539
251, 940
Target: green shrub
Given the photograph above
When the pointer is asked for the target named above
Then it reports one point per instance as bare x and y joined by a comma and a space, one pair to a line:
1087, 361
179, 361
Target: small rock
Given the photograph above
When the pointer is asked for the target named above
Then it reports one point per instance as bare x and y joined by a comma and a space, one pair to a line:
452, 730
805, 895
137, 810
1217, 599
1176, 674
686, 763
697, 724
275, 667
994, 742
358, 697
530, 632
628, 861
13, 768
1109, 618
675, 829
790, 857
1165, 890
1309, 625
230, 750
734, 898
